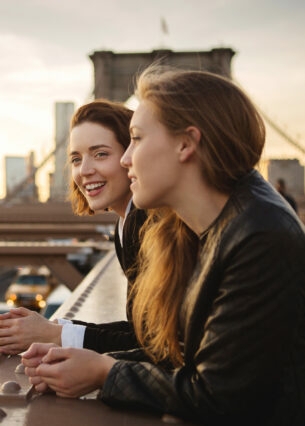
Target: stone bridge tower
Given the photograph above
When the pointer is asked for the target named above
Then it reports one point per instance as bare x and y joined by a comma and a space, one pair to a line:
114, 73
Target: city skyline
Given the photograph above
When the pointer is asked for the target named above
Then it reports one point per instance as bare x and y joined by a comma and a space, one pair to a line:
45, 51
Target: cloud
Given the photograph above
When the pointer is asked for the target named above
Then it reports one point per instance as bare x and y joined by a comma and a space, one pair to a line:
44, 50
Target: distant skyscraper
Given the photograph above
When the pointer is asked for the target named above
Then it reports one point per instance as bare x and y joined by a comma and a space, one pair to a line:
60, 178
15, 172
20, 178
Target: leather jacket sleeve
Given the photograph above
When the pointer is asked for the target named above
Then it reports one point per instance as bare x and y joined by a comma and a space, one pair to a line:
109, 337
119, 336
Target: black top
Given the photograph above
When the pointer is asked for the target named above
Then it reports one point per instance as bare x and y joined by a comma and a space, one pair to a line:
119, 335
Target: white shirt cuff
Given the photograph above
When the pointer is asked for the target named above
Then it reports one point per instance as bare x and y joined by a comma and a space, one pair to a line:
63, 321
72, 335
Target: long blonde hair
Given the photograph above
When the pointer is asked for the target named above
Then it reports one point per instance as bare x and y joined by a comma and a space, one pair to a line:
232, 140
160, 284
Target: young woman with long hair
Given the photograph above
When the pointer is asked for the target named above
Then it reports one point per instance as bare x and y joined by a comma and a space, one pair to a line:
99, 135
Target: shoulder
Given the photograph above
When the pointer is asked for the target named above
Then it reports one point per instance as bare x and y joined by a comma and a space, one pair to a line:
291, 201
256, 208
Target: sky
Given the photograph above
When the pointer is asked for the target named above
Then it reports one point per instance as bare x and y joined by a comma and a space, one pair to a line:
45, 47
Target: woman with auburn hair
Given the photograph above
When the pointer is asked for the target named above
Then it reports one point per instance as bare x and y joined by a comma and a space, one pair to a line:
99, 135
234, 332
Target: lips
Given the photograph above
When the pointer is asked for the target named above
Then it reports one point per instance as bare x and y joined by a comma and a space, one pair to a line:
93, 186
133, 184
131, 177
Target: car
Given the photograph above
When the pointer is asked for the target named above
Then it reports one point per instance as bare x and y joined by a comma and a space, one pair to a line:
30, 288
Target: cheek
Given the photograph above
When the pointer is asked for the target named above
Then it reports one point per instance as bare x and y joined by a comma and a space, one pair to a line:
74, 174
123, 182
120, 176
139, 161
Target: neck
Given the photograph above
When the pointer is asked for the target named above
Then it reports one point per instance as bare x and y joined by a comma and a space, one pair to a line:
200, 206
120, 209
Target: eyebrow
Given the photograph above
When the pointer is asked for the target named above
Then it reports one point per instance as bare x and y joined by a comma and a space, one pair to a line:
92, 148
131, 128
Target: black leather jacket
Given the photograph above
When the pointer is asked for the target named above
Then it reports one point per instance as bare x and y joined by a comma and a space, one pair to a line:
242, 323
119, 335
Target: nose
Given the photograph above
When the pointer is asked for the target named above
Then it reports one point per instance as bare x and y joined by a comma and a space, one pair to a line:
86, 167
126, 158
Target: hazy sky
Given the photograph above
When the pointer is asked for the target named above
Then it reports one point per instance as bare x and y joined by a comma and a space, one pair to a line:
44, 48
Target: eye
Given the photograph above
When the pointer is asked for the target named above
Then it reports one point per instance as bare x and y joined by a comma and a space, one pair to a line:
75, 160
135, 138
101, 154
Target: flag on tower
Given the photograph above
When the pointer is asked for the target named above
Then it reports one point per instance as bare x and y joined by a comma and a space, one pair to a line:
164, 26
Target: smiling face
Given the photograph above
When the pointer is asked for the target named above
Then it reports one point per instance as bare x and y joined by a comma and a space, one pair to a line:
95, 165
152, 159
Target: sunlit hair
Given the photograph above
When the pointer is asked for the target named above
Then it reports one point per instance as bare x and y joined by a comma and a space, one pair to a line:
156, 309
112, 115
232, 140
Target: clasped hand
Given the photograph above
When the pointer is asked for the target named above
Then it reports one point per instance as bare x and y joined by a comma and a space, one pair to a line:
20, 327
69, 372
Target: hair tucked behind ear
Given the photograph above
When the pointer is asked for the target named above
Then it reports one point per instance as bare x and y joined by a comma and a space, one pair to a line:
167, 257
232, 131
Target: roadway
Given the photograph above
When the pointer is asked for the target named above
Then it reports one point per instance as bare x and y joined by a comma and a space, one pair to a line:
50, 234
39, 221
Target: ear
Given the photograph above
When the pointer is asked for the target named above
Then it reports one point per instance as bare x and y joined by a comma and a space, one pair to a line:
189, 142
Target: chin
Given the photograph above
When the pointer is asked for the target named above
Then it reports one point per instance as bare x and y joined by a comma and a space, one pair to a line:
138, 202
142, 203
97, 207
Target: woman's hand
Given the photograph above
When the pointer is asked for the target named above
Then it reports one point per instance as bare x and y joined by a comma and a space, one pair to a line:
20, 327
31, 359
69, 372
